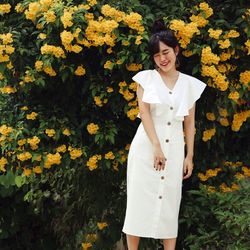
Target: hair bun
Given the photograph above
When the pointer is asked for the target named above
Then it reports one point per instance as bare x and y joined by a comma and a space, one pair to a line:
158, 26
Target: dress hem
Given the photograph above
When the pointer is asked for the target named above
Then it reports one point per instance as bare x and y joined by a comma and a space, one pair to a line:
149, 236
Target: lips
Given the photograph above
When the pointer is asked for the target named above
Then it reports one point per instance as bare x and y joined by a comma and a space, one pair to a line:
164, 64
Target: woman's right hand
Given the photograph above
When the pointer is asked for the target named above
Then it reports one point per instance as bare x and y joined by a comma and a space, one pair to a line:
159, 158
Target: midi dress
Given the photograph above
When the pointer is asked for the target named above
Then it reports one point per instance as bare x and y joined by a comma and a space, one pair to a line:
153, 197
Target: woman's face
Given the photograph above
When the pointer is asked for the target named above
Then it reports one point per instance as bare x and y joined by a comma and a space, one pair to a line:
166, 57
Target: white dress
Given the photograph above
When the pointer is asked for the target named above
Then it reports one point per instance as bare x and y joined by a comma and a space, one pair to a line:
153, 197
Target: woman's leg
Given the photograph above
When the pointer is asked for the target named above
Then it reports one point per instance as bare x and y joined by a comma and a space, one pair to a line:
169, 244
133, 242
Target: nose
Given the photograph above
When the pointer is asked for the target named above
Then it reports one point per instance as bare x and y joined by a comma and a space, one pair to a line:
162, 57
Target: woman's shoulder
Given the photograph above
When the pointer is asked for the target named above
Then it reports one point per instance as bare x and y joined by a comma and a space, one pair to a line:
143, 77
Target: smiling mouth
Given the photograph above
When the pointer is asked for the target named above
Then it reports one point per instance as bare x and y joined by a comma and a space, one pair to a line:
164, 64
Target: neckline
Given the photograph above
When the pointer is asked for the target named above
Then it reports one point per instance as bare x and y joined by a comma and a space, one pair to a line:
162, 81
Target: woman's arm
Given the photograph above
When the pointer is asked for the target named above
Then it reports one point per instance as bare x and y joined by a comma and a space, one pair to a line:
189, 130
150, 130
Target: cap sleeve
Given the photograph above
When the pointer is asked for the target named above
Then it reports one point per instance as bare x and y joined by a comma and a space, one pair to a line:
146, 80
196, 87
142, 78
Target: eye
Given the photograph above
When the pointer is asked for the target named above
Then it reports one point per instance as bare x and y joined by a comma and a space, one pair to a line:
156, 55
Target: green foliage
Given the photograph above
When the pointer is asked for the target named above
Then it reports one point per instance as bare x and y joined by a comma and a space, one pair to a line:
217, 220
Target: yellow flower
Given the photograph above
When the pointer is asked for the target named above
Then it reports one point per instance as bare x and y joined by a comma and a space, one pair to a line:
32, 116
24, 156
92, 162
125, 42
92, 128
8, 90
134, 67
224, 44
108, 65
21, 142
221, 82
206, 8
6, 38
27, 171
109, 50
42, 36
49, 70
211, 189
66, 37
92, 2
214, 33
210, 116
109, 156
138, 40
245, 77
223, 112
3, 163
19, 8
234, 95
5, 130
75, 153
66, 132
66, 18
102, 225
86, 245
52, 50
4, 8
224, 122
80, 71
39, 65
37, 169
247, 43
98, 101
187, 53
33, 142
208, 134
50, 16
50, 132
231, 34
239, 118
52, 159
61, 149
199, 20
132, 113
208, 57
110, 89
32, 11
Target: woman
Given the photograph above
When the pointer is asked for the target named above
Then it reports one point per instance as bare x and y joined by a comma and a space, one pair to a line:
156, 162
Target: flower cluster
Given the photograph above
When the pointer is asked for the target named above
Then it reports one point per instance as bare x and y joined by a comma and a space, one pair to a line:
92, 128
33, 142
238, 119
208, 134
4, 8
209, 173
74, 153
52, 159
184, 31
93, 161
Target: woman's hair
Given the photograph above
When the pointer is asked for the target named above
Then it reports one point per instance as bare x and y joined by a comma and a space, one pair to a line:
161, 34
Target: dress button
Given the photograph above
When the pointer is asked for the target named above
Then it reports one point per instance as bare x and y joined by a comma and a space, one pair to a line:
171, 108
160, 197
167, 140
169, 123
170, 92
162, 177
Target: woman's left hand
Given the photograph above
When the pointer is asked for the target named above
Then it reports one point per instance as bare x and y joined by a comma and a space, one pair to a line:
187, 167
